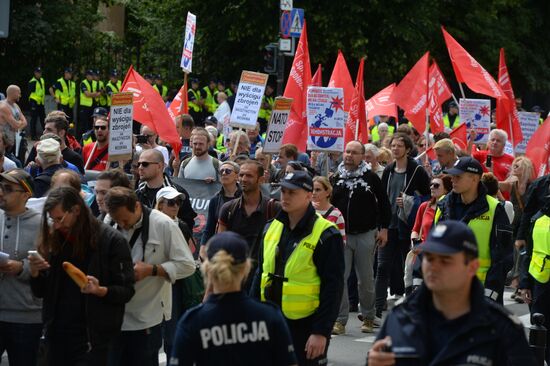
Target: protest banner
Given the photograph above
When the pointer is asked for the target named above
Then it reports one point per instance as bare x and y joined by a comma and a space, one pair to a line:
120, 127
325, 118
529, 123
248, 100
189, 40
277, 125
476, 113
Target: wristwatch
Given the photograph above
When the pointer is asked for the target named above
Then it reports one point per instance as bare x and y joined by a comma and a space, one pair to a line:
155, 270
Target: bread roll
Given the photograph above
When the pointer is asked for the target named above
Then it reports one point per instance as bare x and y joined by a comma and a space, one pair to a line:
76, 275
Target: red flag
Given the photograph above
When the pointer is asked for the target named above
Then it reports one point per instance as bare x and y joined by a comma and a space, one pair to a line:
341, 78
180, 102
318, 77
296, 88
438, 93
357, 116
150, 110
538, 149
460, 137
382, 103
507, 114
411, 93
469, 71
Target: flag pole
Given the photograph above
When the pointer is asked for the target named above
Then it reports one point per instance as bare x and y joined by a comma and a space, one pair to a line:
511, 135
461, 90
184, 83
454, 98
357, 129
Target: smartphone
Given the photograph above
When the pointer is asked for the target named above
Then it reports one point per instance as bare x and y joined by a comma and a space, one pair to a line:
489, 161
35, 254
142, 139
4, 258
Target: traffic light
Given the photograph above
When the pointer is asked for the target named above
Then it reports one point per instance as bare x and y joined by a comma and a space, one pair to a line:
270, 58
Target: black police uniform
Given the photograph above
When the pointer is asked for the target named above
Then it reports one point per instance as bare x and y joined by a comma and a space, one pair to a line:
38, 113
487, 335
232, 329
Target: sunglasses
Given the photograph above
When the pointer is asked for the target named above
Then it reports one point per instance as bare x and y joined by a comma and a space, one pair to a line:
435, 185
145, 164
102, 128
173, 202
226, 171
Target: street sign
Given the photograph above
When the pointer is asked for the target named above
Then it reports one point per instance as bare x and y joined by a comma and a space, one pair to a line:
286, 5
286, 21
285, 44
297, 17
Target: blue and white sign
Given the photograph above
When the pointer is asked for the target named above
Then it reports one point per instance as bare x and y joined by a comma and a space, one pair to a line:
476, 113
325, 119
529, 123
297, 18
286, 21
187, 53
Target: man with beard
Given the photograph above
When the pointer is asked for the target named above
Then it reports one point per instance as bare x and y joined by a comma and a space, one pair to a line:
96, 155
12, 119
201, 165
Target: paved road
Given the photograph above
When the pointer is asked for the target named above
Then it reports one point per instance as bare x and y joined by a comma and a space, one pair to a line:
351, 348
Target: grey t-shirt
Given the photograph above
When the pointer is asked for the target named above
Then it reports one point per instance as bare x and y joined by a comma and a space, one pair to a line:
199, 169
397, 185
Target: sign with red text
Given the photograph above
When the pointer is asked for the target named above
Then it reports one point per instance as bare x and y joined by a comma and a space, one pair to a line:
325, 119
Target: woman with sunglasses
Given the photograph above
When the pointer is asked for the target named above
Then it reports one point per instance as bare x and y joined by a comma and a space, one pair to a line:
229, 177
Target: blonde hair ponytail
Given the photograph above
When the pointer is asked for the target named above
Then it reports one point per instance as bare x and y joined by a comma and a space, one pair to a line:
221, 270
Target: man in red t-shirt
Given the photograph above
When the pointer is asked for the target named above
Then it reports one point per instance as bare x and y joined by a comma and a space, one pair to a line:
500, 163
96, 155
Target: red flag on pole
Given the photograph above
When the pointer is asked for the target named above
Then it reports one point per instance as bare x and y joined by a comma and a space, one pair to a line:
439, 92
356, 125
507, 114
410, 93
180, 103
460, 136
318, 77
296, 88
150, 110
341, 78
382, 103
469, 71
538, 149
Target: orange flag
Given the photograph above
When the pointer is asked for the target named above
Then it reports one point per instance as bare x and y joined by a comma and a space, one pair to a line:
507, 114
538, 149
318, 77
412, 93
180, 104
341, 78
296, 88
357, 117
382, 103
438, 93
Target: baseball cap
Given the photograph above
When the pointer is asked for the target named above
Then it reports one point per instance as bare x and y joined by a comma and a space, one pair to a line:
450, 237
453, 105
90, 72
113, 72
298, 180
100, 112
465, 164
168, 193
69, 69
48, 147
234, 244
194, 80
21, 177
38, 69
211, 120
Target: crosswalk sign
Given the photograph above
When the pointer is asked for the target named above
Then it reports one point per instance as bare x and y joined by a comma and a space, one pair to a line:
297, 22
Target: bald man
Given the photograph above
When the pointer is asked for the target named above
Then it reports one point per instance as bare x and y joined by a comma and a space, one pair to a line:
11, 117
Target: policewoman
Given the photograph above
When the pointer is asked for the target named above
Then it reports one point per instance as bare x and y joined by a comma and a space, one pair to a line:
301, 269
230, 328
535, 268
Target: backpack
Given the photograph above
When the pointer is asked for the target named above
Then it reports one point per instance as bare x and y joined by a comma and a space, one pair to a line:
215, 163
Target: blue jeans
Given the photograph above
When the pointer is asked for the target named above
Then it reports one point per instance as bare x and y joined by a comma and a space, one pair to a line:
21, 342
136, 348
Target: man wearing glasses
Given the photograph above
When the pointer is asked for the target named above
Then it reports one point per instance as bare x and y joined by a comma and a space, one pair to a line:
96, 155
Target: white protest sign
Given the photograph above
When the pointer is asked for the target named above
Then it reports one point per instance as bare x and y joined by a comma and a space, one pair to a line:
120, 126
325, 119
476, 113
223, 114
277, 125
529, 123
188, 41
248, 100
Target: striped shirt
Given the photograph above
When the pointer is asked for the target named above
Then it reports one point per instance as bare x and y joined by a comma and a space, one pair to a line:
336, 217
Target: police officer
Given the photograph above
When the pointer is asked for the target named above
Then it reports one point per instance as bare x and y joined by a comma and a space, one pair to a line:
451, 119
89, 136
148, 78
301, 269
268, 100
469, 203
194, 100
88, 92
207, 94
447, 320
101, 100
160, 88
230, 328
64, 92
113, 86
37, 92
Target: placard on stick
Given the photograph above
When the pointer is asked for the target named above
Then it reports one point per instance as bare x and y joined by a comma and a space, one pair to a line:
120, 127
187, 53
476, 113
325, 119
248, 100
277, 125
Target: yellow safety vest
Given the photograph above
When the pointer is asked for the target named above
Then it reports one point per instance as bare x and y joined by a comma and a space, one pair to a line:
482, 227
374, 132
228, 92
266, 113
114, 89
448, 123
39, 91
300, 297
164, 92
209, 101
67, 93
84, 100
220, 143
102, 99
538, 267
192, 105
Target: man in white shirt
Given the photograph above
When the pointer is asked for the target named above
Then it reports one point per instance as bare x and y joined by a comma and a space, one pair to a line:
161, 256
